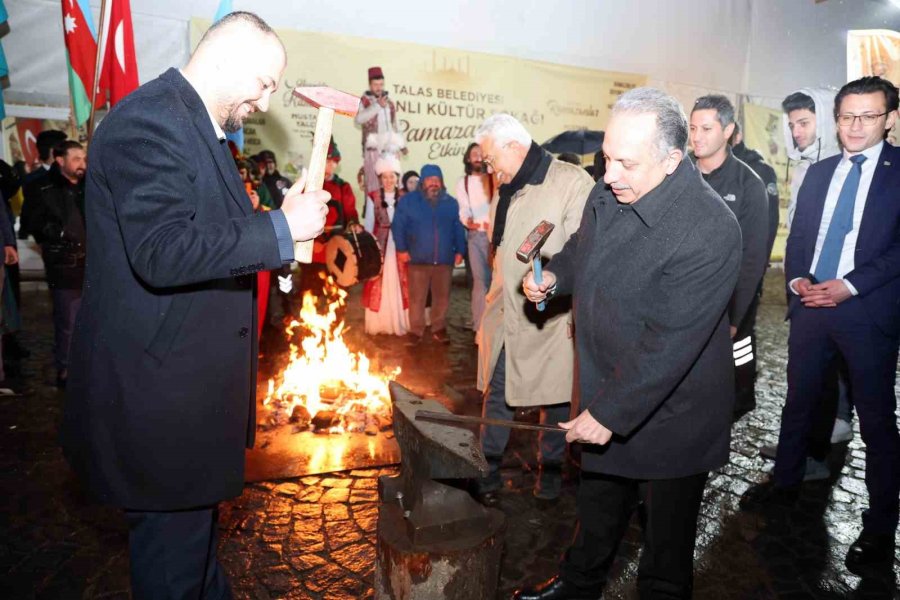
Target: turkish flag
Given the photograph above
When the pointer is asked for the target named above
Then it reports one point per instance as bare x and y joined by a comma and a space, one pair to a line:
28, 130
119, 74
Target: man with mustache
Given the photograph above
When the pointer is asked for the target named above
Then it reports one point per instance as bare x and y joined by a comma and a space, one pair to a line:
431, 240
650, 271
162, 386
474, 192
58, 223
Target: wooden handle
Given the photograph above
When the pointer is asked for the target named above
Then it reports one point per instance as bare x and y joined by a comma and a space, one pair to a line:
315, 172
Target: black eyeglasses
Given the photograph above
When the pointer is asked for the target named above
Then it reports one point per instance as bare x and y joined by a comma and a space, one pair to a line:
847, 120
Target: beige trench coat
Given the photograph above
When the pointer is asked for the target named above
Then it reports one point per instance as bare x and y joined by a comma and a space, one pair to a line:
540, 351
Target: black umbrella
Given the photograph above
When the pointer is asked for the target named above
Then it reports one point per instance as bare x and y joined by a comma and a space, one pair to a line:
579, 141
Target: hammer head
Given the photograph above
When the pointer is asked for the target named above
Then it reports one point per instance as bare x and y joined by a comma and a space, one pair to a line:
535, 240
326, 97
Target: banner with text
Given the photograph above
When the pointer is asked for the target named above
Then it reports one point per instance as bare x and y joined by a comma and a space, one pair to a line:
442, 95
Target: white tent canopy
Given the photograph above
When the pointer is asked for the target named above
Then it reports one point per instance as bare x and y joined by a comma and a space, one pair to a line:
760, 48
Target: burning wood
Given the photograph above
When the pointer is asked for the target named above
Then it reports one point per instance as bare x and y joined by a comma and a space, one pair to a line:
326, 387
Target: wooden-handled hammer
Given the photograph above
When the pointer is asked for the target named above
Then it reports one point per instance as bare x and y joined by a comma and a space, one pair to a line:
328, 101
530, 251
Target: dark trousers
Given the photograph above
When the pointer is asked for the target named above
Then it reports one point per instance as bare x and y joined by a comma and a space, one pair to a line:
65, 308
669, 509
744, 345
494, 439
422, 279
173, 556
817, 336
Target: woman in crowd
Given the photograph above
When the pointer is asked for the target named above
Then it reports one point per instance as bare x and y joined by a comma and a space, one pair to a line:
410, 183
386, 297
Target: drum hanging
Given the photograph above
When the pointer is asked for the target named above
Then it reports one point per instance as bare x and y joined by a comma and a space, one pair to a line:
352, 257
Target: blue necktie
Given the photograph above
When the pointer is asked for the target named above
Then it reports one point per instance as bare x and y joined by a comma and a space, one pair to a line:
841, 223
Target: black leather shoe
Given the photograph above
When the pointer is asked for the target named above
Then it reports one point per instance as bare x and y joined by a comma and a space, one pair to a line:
553, 589
870, 551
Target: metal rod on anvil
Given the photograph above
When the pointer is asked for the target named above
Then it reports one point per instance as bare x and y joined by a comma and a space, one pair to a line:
427, 415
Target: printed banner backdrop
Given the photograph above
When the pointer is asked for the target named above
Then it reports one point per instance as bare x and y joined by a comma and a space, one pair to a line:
762, 132
875, 52
442, 95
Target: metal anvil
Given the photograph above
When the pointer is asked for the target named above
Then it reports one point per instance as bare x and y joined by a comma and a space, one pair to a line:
434, 510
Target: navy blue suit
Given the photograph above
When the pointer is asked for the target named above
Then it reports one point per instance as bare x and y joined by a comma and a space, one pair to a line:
864, 330
162, 386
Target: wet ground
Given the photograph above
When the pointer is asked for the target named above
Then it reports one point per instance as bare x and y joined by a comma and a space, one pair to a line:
313, 537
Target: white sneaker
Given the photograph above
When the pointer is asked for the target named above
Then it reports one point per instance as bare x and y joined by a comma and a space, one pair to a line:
842, 432
816, 470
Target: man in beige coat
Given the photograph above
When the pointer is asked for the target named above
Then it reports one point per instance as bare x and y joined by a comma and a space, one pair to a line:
526, 357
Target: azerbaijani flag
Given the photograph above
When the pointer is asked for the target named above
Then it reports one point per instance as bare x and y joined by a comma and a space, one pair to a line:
81, 55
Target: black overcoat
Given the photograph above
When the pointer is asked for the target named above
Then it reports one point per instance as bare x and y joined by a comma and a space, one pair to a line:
654, 357
161, 392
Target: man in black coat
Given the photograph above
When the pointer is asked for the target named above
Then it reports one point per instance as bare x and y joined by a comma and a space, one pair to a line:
162, 379
46, 141
651, 271
755, 161
711, 124
57, 223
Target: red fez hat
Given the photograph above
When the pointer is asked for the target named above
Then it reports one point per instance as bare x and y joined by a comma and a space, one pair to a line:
375, 73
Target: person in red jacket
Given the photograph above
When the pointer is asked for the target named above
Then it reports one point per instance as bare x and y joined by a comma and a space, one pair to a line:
342, 216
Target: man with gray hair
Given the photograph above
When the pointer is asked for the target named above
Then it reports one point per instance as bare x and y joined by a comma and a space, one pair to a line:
712, 123
650, 271
526, 357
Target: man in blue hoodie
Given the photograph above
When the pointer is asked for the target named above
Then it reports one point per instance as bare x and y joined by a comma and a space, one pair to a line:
430, 240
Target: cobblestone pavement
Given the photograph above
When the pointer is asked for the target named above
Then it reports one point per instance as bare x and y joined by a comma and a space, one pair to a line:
313, 537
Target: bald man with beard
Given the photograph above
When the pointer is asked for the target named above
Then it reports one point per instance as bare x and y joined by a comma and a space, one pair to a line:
162, 380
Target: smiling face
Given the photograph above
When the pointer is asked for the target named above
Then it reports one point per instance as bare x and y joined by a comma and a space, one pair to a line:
633, 163
504, 160
248, 82
388, 181
857, 136
73, 164
708, 138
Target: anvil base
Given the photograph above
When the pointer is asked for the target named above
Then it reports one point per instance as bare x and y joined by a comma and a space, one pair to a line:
459, 568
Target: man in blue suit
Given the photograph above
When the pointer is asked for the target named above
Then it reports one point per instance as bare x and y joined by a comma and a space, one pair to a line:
162, 384
842, 266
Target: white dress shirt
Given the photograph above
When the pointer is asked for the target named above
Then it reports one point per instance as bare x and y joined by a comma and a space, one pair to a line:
848, 252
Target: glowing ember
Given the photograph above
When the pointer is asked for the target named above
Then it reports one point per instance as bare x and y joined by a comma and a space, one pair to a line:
326, 386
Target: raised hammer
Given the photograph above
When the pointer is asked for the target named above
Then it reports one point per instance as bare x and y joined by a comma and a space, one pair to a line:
530, 251
328, 101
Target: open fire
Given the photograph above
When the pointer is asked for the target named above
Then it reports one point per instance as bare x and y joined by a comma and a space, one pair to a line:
326, 387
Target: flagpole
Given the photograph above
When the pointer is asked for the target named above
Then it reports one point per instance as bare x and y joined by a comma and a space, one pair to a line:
96, 85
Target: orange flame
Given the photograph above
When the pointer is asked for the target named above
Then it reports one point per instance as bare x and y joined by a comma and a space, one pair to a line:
323, 374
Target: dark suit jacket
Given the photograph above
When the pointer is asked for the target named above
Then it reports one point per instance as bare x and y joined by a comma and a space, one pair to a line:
161, 393
653, 350
876, 273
